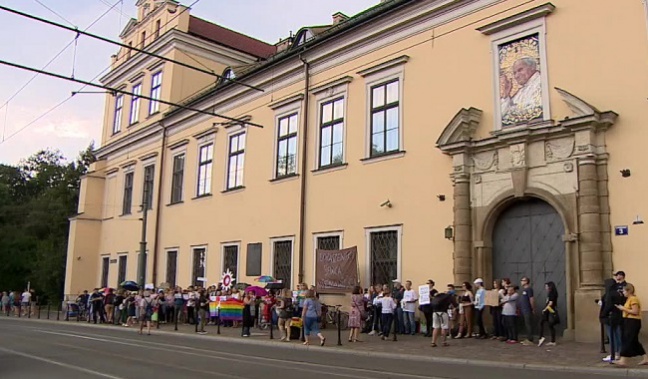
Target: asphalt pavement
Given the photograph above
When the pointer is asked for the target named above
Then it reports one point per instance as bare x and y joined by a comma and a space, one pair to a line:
41, 349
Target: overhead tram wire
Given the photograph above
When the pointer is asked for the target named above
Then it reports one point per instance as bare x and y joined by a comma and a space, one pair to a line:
93, 79
76, 30
55, 57
115, 90
55, 13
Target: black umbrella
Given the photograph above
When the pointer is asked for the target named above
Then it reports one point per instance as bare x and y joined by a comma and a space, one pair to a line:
129, 285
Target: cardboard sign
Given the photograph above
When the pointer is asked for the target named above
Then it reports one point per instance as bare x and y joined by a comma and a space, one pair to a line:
336, 271
492, 298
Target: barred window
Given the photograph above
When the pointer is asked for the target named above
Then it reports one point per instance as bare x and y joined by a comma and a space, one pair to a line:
328, 243
198, 274
121, 273
384, 256
282, 262
230, 259
171, 270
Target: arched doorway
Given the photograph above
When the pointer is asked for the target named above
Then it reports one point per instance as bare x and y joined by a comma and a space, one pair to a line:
527, 241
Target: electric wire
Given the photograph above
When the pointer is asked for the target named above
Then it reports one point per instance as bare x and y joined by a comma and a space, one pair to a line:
123, 45
56, 13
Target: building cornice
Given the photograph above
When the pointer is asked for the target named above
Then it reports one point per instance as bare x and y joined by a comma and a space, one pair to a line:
517, 19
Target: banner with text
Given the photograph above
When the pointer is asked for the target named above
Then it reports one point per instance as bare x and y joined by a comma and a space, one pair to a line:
336, 271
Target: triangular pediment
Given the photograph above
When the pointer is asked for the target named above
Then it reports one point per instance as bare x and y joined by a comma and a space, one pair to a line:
132, 24
461, 128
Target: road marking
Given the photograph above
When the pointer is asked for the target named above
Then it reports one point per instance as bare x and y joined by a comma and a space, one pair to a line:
61, 364
279, 363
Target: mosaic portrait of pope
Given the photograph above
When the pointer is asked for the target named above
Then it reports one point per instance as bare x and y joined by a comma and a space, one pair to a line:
520, 81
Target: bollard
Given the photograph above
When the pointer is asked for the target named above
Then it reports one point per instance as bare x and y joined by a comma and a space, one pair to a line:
271, 335
339, 328
39, 309
19, 311
218, 323
67, 313
613, 347
58, 312
603, 339
394, 323
176, 311
29, 310
196, 318
48, 309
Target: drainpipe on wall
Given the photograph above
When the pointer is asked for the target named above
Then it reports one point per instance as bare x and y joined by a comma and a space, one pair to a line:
304, 167
158, 208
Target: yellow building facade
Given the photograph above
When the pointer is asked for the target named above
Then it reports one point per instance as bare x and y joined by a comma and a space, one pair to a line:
448, 140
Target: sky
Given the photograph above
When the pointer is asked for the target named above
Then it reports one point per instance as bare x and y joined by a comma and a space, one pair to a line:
25, 125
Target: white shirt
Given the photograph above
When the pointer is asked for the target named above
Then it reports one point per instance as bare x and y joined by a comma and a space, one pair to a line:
388, 305
26, 297
409, 295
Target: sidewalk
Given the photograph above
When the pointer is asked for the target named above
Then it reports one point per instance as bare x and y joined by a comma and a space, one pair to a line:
566, 356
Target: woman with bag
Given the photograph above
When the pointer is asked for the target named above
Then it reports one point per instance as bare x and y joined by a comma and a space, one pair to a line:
550, 314
358, 313
311, 314
630, 345
284, 312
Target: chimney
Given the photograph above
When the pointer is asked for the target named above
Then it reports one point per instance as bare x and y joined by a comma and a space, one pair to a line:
339, 17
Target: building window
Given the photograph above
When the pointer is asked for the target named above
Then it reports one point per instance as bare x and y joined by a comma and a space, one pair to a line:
287, 146
198, 274
129, 50
235, 161
384, 256
172, 264
206, 159
147, 194
158, 28
135, 104
121, 273
156, 92
385, 118
119, 110
176, 180
328, 243
143, 43
105, 268
128, 194
228, 75
332, 133
282, 262
230, 259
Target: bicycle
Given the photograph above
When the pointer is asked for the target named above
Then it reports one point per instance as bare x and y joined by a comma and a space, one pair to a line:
332, 316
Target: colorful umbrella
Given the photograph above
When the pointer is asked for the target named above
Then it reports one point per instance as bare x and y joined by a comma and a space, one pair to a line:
258, 291
265, 279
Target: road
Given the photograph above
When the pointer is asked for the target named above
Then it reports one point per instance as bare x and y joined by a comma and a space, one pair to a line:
32, 349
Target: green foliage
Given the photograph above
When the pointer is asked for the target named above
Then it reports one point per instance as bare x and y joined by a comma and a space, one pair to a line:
37, 197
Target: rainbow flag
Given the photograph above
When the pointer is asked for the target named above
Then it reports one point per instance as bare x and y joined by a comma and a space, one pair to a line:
213, 309
231, 310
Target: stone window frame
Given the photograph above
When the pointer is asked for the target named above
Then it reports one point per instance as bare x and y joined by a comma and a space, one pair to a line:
399, 260
535, 26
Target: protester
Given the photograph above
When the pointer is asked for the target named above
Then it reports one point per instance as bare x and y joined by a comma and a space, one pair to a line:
426, 309
630, 345
248, 319
312, 311
496, 311
397, 294
509, 314
203, 310
109, 305
480, 304
550, 315
358, 313
466, 311
527, 308
377, 310
284, 311
410, 297
440, 305
388, 307
146, 313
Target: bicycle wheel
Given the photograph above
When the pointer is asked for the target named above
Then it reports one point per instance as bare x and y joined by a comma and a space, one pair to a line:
344, 320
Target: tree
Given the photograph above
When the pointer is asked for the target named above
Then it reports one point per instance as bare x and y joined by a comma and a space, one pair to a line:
36, 200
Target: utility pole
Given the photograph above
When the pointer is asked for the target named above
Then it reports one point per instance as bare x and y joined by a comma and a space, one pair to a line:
141, 264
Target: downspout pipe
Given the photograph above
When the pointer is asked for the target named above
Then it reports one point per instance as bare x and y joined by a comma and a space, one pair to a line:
158, 208
304, 171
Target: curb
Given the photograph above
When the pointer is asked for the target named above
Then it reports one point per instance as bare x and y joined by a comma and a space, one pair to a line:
334, 349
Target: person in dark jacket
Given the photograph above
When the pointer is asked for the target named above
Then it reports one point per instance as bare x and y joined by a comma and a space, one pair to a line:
611, 317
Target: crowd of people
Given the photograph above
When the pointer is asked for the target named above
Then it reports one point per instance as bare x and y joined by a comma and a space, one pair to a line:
453, 313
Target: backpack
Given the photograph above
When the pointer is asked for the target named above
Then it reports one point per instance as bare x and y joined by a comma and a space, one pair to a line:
148, 308
439, 301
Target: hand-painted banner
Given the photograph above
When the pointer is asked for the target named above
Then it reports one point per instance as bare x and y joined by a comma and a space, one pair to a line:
230, 310
336, 270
